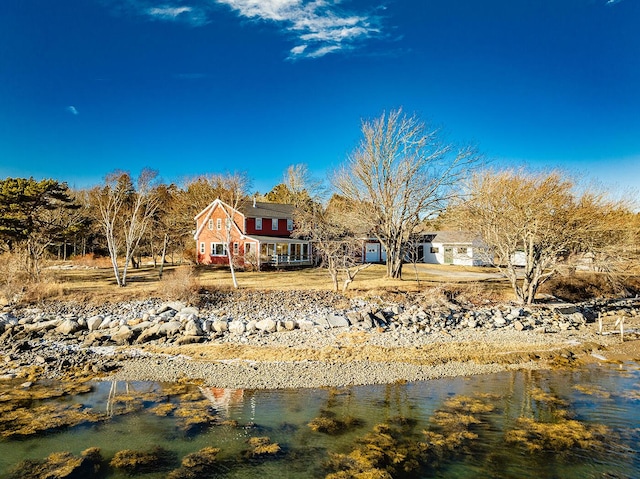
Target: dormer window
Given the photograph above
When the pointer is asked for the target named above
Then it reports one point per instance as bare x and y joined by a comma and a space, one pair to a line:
289, 225
274, 224
258, 223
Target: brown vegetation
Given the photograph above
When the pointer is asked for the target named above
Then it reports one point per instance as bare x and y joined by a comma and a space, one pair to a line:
262, 446
557, 436
135, 462
23, 412
197, 464
88, 280
581, 286
328, 424
60, 465
481, 352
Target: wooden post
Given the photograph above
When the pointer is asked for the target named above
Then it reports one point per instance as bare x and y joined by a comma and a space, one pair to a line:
599, 323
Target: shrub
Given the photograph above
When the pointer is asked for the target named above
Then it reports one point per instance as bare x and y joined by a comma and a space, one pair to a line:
584, 286
181, 284
13, 278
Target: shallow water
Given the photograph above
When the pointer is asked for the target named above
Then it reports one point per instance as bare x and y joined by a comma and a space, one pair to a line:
598, 394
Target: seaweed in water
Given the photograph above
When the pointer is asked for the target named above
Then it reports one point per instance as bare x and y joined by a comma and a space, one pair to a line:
197, 465
60, 465
134, 462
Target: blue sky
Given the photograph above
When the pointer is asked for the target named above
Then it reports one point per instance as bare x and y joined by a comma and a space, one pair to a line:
198, 86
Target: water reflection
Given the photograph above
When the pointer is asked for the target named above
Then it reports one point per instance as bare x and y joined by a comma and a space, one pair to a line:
578, 423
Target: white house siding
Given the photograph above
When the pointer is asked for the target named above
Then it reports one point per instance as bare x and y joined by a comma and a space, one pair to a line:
374, 252
466, 253
371, 252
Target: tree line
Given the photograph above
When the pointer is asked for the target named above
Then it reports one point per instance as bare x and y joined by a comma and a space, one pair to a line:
402, 178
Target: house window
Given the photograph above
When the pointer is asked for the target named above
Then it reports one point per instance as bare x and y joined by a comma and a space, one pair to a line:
236, 248
218, 249
201, 248
219, 223
210, 224
289, 225
247, 248
435, 250
463, 251
274, 224
227, 224
258, 223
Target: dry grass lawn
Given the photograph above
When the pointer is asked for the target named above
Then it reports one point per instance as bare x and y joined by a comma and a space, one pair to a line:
81, 282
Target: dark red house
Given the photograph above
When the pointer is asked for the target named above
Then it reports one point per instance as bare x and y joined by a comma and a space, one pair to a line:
253, 235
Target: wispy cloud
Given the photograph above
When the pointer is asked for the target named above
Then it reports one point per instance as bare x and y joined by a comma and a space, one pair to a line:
192, 15
613, 2
73, 110
168, 13
317, 27
190, 12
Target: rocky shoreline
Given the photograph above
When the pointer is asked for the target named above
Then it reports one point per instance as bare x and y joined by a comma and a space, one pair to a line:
250, 339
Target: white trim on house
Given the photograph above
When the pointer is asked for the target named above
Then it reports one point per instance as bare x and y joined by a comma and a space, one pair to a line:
440, 247
208, 211
275, 253
218, 248
285, 251
455, 247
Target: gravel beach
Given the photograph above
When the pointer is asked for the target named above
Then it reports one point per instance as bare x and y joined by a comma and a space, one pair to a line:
270, 341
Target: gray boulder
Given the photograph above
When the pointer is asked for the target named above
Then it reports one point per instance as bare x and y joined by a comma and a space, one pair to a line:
267, 325
122, 335
237, 327
306, 325
68, 326
289, 324
337, 321
42, 325
192, 328
251, 326
141, 326
222, 326
94, 322
170, 329
186, 311
149, 334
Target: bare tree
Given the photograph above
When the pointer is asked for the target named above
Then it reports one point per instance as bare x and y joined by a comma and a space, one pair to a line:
298, 188
235, 187
231, 189
165, 228
330, 230
125, 211
414, 253
399, 174
538, 217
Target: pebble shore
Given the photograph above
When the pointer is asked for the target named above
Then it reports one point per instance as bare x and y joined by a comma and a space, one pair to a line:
169, 341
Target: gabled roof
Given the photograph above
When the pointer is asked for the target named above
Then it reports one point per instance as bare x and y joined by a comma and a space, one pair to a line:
267, 210
207, 213
454, 237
